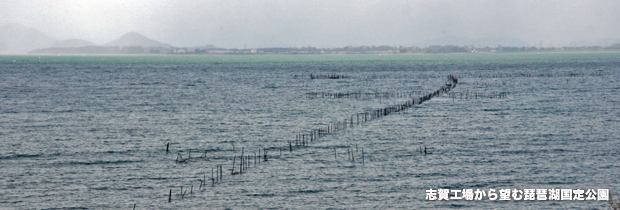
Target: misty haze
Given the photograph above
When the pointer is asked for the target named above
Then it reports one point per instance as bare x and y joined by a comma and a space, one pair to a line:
30, 25
270, 104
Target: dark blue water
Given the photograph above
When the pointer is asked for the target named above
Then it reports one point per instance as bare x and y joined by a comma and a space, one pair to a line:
91, 132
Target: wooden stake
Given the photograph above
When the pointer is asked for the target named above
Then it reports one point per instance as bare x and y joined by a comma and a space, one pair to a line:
348, 154
233, 165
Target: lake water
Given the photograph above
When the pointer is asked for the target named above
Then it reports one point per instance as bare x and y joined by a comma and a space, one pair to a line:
90, 132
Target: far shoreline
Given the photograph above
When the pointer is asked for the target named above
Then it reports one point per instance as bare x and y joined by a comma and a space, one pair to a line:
342, 53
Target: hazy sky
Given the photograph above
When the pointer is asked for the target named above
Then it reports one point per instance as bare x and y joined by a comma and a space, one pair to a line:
326, 23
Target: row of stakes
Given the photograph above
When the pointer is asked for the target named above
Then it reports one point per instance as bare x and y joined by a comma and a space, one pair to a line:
328, 76
527, 74
366, 77
462, 75
322, 76
388, 95
362, 95
491, 83
304, 139
361, 118
477, 95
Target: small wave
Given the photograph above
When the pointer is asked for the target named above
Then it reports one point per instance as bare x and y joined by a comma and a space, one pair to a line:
18, 156
103, 162
492, 110
261, 195
307, 191
100, 188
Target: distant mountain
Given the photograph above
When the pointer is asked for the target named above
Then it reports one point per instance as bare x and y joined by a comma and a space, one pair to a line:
135, 39
16, 38
129, 43
72, 43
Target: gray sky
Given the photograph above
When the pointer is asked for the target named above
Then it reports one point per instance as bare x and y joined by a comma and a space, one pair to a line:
320, 23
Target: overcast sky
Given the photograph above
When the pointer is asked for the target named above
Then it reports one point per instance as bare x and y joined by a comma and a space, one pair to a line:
320, 23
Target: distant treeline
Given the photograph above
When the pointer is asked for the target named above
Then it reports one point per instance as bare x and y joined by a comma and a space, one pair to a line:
366, 49
382, 49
